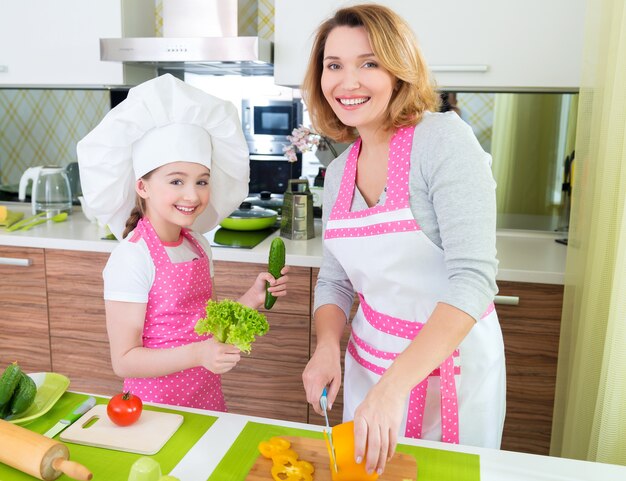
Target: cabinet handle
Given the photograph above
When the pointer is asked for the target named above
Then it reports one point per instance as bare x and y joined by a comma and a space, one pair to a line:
267, 157
506, 300
12, 261
459, 68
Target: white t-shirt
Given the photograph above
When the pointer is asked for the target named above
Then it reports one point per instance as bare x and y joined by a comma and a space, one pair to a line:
129, 272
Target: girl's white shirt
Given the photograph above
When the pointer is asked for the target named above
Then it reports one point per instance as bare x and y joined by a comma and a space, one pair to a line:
129, 272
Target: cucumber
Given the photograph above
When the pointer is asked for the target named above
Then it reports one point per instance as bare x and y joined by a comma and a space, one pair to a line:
24, 395
8, 382
5, 411
275, 264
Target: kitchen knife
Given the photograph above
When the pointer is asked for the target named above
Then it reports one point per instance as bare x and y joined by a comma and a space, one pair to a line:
71, 417
324, 406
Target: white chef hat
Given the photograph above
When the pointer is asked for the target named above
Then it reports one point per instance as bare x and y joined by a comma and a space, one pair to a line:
163, 120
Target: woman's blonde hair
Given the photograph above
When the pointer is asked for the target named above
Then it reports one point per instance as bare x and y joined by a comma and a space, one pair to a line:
139, 210
396, 47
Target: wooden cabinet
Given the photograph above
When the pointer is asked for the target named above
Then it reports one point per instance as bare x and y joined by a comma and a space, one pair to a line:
531, 342
477, 44
78, 337
53, 319
58, 43
268, 381
24, 335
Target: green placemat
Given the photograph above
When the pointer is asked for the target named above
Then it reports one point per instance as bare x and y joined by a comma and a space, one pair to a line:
107, 464
433, 464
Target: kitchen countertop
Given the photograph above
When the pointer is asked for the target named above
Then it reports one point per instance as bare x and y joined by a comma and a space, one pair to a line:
202, 460
495, 465
524, 256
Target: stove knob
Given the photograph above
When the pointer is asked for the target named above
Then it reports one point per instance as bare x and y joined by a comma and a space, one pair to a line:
265, 195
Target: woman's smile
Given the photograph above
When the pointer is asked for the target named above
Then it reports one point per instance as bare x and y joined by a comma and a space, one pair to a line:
352, 102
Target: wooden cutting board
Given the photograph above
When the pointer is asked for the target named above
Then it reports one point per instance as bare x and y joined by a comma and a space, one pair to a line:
146, 436
402, 466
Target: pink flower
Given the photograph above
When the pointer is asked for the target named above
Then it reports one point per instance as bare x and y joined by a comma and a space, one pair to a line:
304, 139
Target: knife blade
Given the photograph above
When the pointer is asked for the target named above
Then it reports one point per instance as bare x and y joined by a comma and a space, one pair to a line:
324, 406
69, 418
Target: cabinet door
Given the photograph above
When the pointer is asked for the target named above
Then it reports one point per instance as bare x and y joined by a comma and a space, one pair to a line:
268, 381
52, 43
531, 341
482, 43
80, 347
24, 335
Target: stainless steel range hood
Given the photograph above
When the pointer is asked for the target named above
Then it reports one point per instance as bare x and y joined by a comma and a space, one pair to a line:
198, 37
202, 55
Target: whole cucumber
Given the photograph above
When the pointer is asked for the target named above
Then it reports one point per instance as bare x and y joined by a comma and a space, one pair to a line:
8, 382
24, 395
275, 264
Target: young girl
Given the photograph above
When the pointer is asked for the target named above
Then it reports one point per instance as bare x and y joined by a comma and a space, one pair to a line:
409, 224
168, 159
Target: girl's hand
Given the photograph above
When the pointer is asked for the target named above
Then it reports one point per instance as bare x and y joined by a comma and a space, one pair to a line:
323, 369
376, 424
217, 357
255, 296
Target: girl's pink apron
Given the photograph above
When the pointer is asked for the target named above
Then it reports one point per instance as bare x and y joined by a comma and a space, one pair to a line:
400, 275
176, 301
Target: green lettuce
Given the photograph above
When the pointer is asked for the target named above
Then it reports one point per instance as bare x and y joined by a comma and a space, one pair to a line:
232, 323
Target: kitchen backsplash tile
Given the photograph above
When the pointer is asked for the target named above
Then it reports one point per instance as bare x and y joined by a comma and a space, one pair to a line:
42, 126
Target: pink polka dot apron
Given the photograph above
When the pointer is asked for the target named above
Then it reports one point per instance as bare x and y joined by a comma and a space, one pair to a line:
400, 275
176, 301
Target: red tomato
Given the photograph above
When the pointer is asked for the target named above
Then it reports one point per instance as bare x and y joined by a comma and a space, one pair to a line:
124, 408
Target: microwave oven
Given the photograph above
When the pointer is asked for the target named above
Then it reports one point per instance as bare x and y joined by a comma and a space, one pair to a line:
266, 125
270, 120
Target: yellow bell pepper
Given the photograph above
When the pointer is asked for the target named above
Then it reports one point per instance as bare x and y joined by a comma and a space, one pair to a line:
347, 468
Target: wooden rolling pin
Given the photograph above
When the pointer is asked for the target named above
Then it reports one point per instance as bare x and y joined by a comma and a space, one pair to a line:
37, 455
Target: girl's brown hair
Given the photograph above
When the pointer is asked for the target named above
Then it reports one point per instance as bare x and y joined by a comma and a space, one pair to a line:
396, 47
138, 211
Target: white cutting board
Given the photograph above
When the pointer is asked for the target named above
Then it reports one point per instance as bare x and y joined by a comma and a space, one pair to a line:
146, 436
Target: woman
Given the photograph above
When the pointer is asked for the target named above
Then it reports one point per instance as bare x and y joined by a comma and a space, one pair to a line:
409, 224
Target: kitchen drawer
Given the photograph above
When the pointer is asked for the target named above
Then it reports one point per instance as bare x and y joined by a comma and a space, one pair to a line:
232, 279
77, 316
86, 363
259, 387
24, 335
75, 272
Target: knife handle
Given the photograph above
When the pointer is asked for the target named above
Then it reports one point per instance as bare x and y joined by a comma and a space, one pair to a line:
72, 469
80, 410
324, 400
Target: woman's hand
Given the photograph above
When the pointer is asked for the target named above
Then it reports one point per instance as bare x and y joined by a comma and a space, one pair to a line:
255, 296
323, 369
215, 356
376, 424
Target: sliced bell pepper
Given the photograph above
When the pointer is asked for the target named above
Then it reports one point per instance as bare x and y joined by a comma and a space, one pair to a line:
274, 446
288, 468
